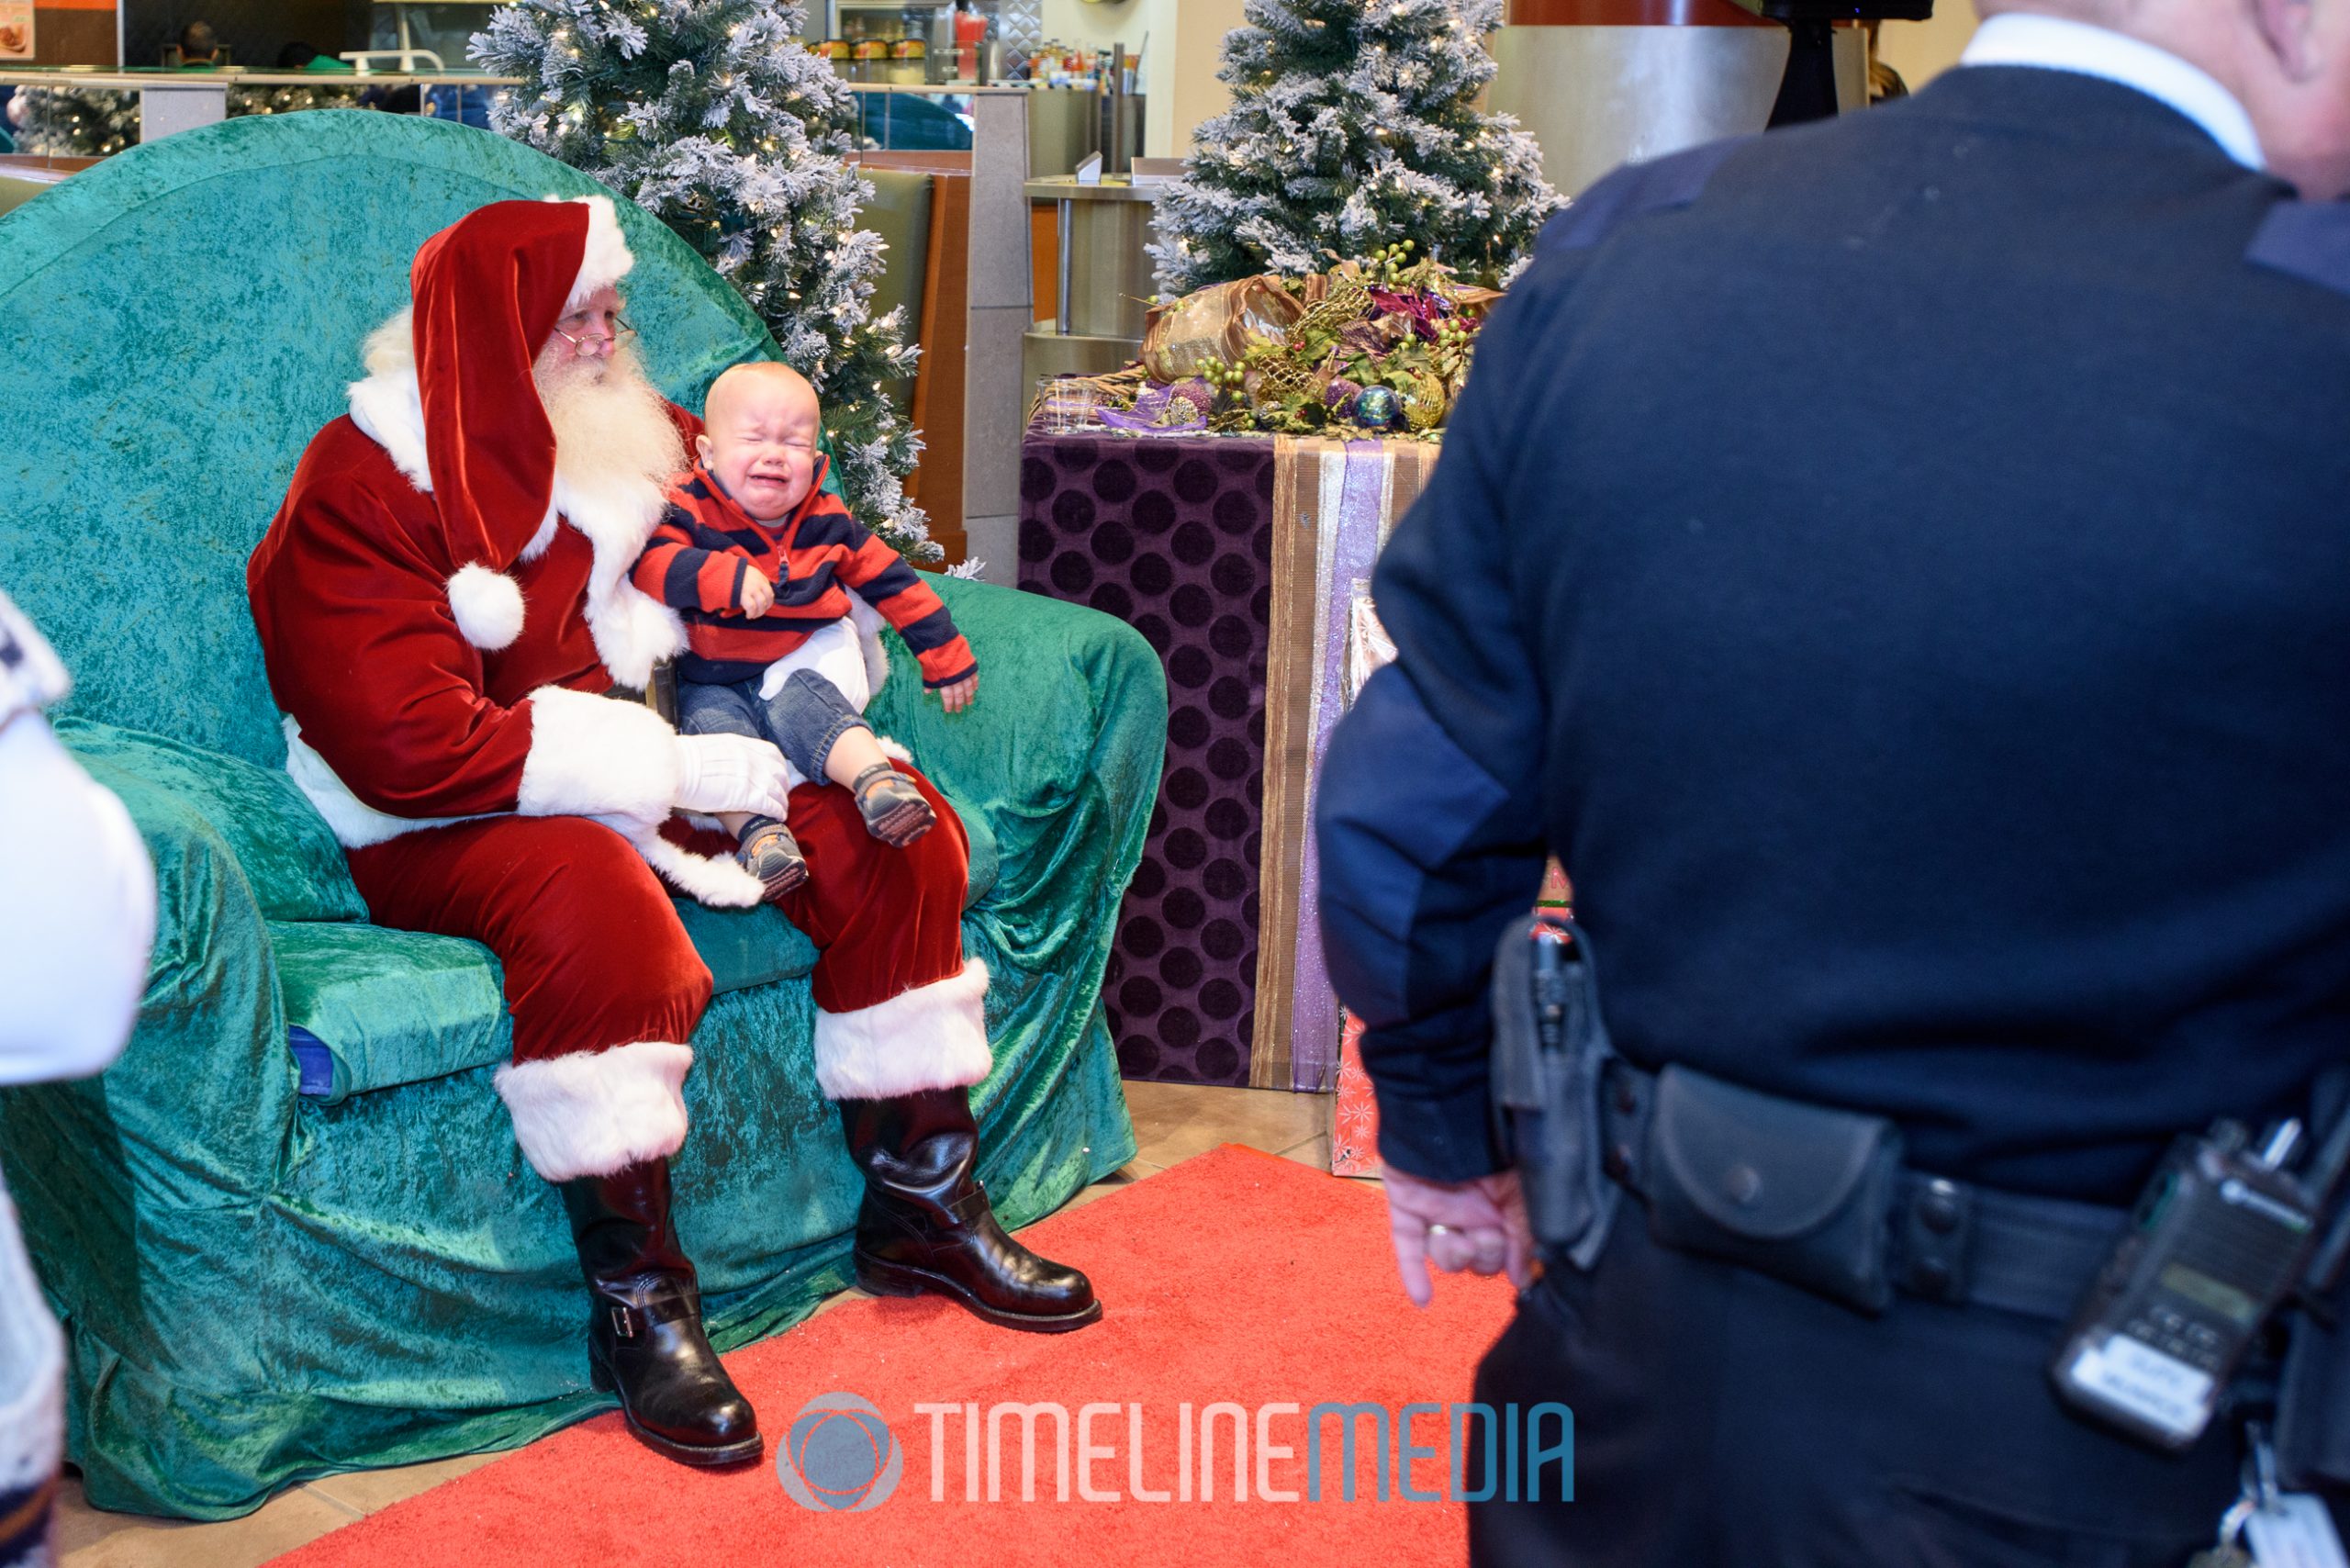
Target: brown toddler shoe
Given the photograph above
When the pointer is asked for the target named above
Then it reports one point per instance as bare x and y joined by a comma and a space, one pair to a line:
894, 810
772, 855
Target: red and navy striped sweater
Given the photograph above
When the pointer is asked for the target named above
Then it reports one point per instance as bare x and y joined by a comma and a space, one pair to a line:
706, 545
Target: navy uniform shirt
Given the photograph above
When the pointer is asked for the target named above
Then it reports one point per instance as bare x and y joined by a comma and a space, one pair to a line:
1902, 567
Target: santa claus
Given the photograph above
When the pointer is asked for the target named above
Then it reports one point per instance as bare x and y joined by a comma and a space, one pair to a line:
443, 604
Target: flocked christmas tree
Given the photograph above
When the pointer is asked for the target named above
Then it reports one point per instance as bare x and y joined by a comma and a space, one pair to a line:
75, 122
1354, 124
289, 99
712, 115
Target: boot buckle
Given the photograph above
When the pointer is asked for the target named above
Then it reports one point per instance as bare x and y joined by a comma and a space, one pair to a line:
624, 1322
969, 1208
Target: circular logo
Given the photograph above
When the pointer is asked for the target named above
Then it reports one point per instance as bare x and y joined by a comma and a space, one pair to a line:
839, 1456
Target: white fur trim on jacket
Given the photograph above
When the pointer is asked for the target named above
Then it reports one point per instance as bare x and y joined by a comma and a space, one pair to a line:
714, 880
934, 1036
593, 757
597, 1112
488, 607
617, 763
357, 823
633, 631
717, 881
868, 623
607, 259
389, 405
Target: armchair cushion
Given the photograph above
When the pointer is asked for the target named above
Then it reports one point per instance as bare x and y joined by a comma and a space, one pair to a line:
388, 1007
289, 857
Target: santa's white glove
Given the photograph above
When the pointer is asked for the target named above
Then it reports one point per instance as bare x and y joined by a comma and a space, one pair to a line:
731, 773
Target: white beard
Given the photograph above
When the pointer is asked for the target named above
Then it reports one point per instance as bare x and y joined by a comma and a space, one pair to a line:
611, 427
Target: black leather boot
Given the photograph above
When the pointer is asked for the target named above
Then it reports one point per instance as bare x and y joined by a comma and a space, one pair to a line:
644, 1337
926, 1224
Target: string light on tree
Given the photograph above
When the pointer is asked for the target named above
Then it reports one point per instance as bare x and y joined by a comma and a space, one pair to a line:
1332, 148
75, 122
735, 137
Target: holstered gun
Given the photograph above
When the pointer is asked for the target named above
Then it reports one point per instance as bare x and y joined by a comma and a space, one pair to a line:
1550, 1050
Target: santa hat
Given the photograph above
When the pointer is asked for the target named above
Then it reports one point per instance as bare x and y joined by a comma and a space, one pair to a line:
488, 289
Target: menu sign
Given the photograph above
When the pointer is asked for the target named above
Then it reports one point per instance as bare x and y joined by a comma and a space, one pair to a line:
15, 30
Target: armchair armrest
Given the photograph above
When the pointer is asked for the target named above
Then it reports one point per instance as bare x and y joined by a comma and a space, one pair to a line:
172, 1153
1061, 751
206, 1082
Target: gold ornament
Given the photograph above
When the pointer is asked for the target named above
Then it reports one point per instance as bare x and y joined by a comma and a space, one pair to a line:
1346, 303
1423, 403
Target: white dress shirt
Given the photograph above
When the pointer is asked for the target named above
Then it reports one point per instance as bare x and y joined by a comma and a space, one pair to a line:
2053, 43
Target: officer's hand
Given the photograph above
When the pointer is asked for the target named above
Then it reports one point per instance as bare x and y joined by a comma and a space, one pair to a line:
1479, 1226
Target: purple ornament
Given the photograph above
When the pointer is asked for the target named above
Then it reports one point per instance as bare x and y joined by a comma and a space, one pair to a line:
1197, 391
1341, 393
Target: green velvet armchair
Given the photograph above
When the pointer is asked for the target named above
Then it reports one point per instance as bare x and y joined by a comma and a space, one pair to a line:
290, 1232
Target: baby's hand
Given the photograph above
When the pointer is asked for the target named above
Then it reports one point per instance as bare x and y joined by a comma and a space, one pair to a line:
758, 595
958, 697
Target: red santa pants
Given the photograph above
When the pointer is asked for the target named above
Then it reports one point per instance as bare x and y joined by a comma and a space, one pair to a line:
605, 987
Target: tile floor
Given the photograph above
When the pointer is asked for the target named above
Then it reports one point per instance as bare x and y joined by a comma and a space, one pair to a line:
1172, 1123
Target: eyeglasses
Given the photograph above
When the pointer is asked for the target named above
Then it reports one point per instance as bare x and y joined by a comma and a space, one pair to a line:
621, 333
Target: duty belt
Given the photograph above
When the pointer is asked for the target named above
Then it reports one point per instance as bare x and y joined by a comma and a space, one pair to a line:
1820, 1197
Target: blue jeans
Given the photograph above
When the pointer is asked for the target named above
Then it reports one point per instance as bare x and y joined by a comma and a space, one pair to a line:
803, 719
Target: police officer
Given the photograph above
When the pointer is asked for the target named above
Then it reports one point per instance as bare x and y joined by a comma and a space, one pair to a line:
1899, 565
77, 917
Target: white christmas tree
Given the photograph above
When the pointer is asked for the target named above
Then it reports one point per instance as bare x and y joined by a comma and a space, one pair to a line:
290, 99
712, 116
75, 122
1354, 124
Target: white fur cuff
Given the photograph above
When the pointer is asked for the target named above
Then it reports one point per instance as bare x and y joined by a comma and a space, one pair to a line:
718, 881
357, 823
934, 1036
596, 756
607, 260
597, 1112
488, 607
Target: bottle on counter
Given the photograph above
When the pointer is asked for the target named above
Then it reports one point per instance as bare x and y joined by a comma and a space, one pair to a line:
970, 28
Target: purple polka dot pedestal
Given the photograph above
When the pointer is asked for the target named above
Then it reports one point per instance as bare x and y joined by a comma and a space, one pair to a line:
1175, 538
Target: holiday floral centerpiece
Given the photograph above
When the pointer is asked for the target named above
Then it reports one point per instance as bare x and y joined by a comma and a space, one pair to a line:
1371, 348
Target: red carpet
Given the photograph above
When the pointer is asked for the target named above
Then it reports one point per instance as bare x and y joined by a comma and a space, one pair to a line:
1235, 1277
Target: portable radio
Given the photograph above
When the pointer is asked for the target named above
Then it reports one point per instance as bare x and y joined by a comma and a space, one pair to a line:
2220, 1239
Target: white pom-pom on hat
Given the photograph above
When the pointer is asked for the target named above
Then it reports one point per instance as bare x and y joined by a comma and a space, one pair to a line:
608, 257
488, 607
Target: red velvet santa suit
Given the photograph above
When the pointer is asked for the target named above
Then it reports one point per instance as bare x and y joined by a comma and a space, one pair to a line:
440, 612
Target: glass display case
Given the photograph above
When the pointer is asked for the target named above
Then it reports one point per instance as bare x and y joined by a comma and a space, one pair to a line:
429, 35
915, 39
914, 121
